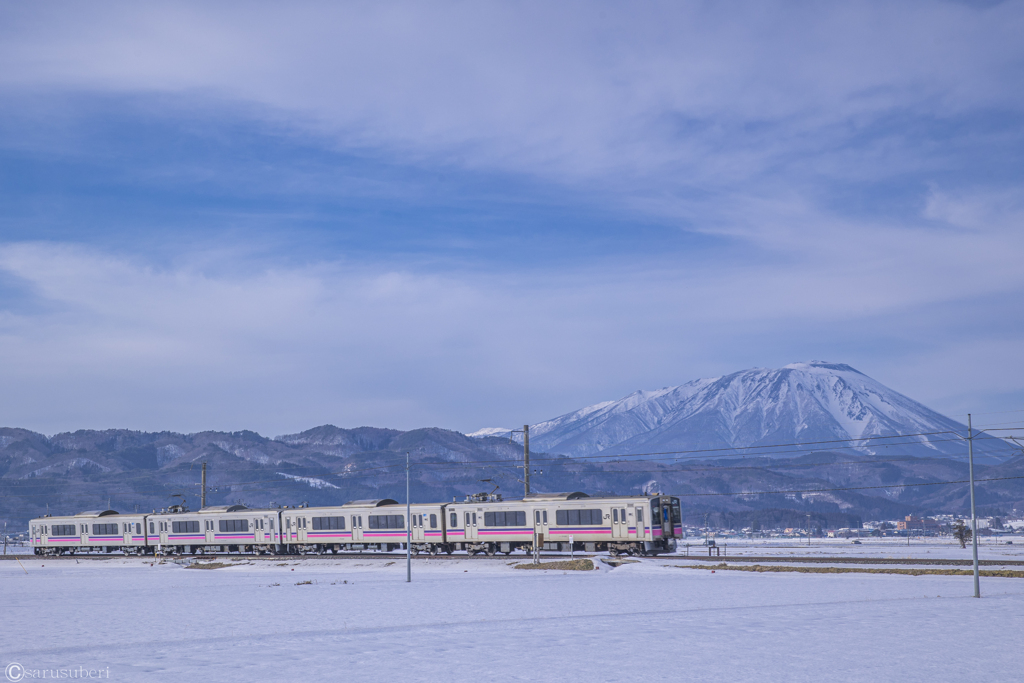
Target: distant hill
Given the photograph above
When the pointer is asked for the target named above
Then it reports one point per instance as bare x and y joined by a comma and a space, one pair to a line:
328, 465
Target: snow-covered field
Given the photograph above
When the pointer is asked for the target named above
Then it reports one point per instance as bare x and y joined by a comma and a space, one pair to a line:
465, 619
876, 548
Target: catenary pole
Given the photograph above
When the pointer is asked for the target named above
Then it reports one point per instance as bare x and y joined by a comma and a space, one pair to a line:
974, 515
526, 456
408, 524
202, 495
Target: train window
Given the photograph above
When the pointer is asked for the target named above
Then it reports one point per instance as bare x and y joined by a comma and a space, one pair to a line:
63, 530
152, 529
322, 523
104, 529
185, 527
387, 521
468, 523
433, 521
577, 517
545, 514
454, 520
639, 515
536, 516
272, 524
615, 514
516, 518
233, 525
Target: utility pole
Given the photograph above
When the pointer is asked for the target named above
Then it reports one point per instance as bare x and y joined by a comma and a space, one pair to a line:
202, 495
526, 454
974, 515
408, 524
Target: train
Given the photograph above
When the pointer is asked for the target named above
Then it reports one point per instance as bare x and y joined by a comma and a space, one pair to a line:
482, 523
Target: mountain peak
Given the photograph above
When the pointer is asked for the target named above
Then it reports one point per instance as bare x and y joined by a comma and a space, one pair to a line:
800, 403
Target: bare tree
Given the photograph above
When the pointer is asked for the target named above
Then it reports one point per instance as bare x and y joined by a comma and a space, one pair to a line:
961, 532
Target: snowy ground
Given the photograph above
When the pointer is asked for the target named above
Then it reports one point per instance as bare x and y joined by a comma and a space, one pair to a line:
481, 619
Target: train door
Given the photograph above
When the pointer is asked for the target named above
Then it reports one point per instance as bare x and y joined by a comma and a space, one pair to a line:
357, 528
209, 530
641, 524
632, 525
417, 529
258, 527
83, 530
620, 528
471, 533
540, 525
126, 528
163, 532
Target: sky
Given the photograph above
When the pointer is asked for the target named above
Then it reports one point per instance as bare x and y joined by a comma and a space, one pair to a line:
257, 216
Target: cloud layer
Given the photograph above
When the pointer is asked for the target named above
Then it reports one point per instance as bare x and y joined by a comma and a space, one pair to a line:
514, 210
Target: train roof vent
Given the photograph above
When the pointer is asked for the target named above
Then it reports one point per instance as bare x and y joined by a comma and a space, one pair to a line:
542, 497
97, 513
370, 503
223, 508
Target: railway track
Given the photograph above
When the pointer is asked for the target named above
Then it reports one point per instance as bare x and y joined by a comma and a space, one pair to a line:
846, 560
295, 558
341, 557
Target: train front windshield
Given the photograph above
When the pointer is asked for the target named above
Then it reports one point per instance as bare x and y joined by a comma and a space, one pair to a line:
667, 511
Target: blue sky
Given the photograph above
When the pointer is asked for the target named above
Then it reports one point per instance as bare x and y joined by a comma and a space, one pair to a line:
470, 214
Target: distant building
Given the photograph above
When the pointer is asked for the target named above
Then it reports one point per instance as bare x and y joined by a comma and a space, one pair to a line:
912, 522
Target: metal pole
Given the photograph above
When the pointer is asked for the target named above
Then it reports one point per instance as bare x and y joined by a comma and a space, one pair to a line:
202, 496
408, 524
526, 456
974, 515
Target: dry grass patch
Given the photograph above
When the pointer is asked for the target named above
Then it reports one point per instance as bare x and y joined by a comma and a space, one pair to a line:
569, 565
208, 565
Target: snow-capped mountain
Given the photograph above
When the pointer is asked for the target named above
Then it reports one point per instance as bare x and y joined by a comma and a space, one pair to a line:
800, 403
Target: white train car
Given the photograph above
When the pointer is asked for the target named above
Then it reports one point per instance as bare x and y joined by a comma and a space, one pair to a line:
644, 525
90, 531
363, 525
214, 529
